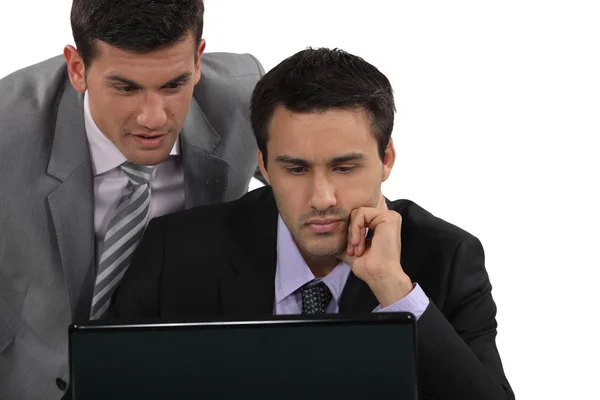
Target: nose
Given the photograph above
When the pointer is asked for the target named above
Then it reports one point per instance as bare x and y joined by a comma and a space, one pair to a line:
152, 115
323, 193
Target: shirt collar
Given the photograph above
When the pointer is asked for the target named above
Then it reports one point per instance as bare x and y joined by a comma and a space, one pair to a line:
105, 155
292, 271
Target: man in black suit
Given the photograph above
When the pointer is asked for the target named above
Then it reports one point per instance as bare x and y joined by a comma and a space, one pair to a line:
322, 238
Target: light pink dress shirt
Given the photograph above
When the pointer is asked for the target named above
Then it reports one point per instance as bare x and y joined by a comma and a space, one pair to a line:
166, 188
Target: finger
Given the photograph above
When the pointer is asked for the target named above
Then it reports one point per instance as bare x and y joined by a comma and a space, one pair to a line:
367, 217
362, 244
354, 227
359, 230
350, 250
349, 245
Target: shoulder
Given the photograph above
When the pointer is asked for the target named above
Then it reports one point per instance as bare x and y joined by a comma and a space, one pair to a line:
229, 66
223, 95
438, 254
432, 245
29, 100
226, 80
219, 217
421, 223
33, 89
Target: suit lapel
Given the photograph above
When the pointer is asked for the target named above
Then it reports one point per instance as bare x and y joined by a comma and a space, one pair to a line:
249, 294
357, 297
72, 202
253, 257
205, 175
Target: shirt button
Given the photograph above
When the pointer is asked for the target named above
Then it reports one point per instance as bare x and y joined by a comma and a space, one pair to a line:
62, 385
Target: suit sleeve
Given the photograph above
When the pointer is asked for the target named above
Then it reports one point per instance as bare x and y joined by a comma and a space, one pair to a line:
458, 358
261, 69
137, 297
261, 73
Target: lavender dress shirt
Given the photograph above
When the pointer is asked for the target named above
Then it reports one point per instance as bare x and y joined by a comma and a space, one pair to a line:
292, 273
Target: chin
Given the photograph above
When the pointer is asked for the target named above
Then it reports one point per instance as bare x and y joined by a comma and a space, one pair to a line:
325, 248
151, 158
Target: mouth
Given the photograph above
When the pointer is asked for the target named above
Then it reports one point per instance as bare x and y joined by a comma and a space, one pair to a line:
151, 141
327, 225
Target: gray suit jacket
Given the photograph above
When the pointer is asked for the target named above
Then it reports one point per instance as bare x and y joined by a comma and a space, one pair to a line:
47, 263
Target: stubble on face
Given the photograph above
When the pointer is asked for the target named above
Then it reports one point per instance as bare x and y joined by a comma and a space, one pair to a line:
322, 166
320, 244
323, 244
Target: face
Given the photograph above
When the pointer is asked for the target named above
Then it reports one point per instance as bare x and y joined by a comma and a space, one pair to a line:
321, 166
139, 100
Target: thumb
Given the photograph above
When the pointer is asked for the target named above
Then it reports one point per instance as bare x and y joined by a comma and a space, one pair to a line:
346, 258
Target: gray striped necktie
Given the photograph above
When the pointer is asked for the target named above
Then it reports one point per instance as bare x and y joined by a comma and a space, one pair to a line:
122, 236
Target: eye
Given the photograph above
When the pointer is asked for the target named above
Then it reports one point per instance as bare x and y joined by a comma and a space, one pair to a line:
296, 170
344, 169
125, 89
173, 86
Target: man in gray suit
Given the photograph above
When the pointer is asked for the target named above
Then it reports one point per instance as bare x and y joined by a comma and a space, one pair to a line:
94, 144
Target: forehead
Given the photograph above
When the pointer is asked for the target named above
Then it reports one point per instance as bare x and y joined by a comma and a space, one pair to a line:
173, 59
315, 135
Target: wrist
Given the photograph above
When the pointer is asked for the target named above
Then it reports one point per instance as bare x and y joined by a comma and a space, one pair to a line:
391, 289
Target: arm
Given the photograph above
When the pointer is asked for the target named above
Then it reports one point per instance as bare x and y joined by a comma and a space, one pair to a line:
416, 302
261, 73
458, 357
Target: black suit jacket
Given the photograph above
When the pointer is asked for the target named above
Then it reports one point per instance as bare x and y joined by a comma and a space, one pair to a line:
219, 261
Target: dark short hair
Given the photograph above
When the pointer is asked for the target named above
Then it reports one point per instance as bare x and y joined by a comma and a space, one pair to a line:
318, 80
134, 25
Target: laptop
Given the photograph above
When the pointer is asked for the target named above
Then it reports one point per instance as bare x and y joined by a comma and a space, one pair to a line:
280, 357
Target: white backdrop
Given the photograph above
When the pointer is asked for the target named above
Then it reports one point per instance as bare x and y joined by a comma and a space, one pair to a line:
496, 131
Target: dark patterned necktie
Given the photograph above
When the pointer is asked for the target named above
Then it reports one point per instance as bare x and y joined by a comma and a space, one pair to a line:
315, 299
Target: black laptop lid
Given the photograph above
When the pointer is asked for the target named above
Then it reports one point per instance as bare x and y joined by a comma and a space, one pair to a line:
291, 357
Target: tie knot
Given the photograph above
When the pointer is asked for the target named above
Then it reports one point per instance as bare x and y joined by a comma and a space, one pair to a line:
315, 298
138, 174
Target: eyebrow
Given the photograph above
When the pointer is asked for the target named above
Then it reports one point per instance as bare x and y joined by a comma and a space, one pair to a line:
291, 160
285, 159
347, 157
117, 78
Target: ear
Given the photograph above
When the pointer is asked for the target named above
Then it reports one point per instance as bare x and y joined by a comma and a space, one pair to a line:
261, 165
201, 48
388, 160
75, 68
